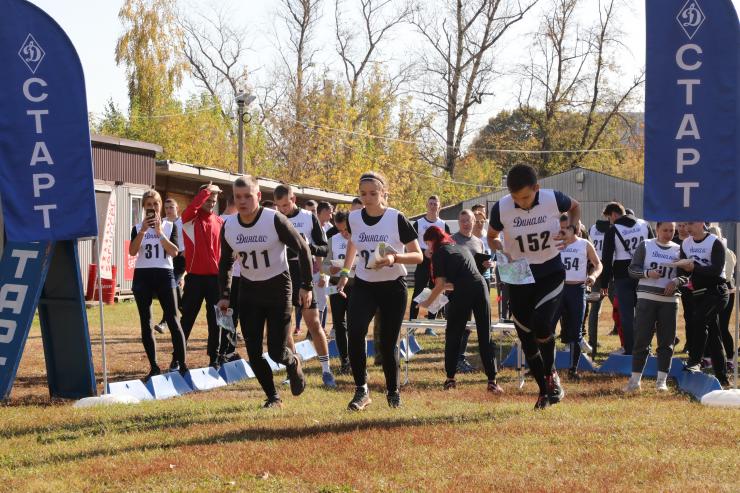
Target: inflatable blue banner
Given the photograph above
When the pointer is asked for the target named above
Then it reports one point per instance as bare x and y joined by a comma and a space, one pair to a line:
692, 111
46, 173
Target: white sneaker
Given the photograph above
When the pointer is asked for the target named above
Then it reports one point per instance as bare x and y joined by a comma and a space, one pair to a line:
585, 346
618, 351
661, 386
632, 386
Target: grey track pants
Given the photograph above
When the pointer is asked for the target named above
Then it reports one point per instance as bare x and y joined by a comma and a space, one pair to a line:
653, 317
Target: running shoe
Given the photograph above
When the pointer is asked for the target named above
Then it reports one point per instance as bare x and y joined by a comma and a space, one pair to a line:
542, 402
464, 366
152, 373
232, 357
183, 369
661, 386
585, 346
174, 365
494, 388
328, 378
360, 401
692, 367
632, 386
345, 368
394, 399
573, 375
160, 327
297, 380
449, 384
273, 403
555, 391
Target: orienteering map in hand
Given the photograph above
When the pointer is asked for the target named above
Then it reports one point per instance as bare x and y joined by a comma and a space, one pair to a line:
514, 271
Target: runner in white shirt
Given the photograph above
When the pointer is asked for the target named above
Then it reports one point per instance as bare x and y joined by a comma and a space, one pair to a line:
380, 283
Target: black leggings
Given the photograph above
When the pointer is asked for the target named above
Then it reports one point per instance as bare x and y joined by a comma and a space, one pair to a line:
339, 315
254, 311
148, 283
464, 301
198, 288
534, 309
705, 327
225, 348
389, 298
724, 326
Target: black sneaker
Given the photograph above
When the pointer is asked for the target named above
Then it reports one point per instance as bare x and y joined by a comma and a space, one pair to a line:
215, 363
174, 365
573, 375
233, 357
692, 367
450, 384
272, 403
543, 401
160, 327
555, 392
183, 369
360, 401
152, 373
297, 380
394, 399
345, 369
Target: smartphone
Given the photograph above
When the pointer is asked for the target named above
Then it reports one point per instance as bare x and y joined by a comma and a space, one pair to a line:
149, 214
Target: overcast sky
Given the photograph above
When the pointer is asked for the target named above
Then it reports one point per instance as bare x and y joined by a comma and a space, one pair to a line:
94, 27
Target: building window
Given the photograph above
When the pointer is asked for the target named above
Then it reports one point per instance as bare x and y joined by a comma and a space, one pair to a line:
136, 206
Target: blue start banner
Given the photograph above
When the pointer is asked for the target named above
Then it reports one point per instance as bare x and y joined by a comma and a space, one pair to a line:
692, 111
46, 173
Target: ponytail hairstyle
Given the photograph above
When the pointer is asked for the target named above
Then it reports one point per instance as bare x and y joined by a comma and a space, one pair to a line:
381, 181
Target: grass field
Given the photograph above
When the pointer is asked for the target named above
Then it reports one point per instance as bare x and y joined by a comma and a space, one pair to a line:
598, 439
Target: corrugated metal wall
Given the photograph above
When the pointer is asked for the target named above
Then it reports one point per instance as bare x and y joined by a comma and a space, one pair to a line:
116, 164
593, 190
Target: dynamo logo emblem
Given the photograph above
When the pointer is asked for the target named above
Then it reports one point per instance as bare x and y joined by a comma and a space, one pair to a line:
690, 18
31, 53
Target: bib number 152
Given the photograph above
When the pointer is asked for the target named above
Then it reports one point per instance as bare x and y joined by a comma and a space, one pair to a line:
533, 242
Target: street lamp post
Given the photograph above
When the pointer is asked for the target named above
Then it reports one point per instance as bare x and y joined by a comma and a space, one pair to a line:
243, 100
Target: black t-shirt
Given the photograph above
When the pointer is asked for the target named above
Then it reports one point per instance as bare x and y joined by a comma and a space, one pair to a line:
456, 264
406, 230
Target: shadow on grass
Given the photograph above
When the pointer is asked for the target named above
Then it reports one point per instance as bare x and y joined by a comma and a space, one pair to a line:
261, 433
138, 423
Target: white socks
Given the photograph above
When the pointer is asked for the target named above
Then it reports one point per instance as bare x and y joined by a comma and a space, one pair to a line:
633, 385
325, 367
660, 383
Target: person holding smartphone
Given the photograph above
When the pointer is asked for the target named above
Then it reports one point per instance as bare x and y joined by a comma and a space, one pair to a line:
154, 243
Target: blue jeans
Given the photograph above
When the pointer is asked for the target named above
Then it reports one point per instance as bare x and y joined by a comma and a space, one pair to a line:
626, 294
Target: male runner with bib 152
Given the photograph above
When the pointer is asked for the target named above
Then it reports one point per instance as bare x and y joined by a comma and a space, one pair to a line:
529, 217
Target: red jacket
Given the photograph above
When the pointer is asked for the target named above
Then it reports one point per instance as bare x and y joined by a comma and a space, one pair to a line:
202, 237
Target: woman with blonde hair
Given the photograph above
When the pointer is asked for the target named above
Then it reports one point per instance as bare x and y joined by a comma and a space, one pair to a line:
154, 243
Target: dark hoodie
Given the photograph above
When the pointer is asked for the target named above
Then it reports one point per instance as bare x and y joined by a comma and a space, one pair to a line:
619, 269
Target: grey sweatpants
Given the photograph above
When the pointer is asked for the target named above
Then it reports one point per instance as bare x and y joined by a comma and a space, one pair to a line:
652, 316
